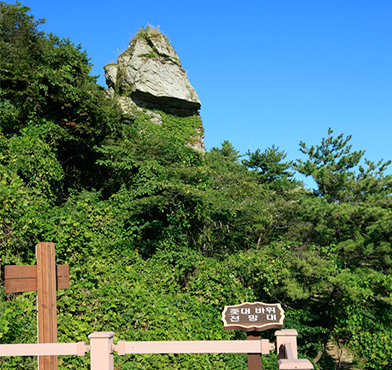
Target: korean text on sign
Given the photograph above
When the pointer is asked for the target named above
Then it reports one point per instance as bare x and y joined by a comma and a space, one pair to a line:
252, 313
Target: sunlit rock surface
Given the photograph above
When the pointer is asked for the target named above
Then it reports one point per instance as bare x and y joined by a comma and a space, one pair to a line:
148, 77
150, 71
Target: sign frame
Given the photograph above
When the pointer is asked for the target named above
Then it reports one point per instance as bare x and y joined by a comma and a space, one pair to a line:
254, 327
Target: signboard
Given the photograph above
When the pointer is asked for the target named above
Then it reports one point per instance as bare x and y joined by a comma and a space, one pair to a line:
255, 316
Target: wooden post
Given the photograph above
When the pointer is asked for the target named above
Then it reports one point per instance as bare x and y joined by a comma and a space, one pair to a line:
254, 359
44, 278
47, 308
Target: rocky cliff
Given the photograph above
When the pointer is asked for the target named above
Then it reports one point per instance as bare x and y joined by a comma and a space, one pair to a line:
148, 77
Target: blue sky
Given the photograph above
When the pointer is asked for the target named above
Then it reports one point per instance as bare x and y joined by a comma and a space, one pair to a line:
267, 72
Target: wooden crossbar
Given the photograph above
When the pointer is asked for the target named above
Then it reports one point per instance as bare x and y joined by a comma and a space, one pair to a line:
206, 346
23, 278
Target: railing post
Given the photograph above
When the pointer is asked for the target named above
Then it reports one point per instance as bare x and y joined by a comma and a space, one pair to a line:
286, 348
286, 336
101, 350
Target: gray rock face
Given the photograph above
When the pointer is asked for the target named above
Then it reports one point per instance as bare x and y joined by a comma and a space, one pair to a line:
148, 81
151, 71
111, 78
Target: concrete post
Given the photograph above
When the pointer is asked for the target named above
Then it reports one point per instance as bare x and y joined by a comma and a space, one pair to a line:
101, 350
286, 336
286, 347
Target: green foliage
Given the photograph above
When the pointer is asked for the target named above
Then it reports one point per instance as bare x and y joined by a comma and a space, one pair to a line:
332, 165
153, 54
159, 237
227, 151
18, 324
21, 218
271, 169
33, 160
174, 124
47, 79
146, 32
144, 160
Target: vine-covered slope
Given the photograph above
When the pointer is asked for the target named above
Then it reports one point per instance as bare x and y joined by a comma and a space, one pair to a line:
160, 237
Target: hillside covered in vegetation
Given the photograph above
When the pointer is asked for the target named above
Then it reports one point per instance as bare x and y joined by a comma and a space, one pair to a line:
160, 237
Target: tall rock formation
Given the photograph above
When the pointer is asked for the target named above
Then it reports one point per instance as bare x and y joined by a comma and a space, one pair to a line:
148, 78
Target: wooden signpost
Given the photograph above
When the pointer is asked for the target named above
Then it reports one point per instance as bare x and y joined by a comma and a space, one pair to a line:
253, 318
44, 278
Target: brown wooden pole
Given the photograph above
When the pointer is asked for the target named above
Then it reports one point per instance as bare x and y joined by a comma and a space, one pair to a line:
254, 359
47, 308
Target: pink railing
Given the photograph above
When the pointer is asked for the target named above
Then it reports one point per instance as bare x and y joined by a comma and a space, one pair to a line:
286, 347
44, 349
101, 349
195, 346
